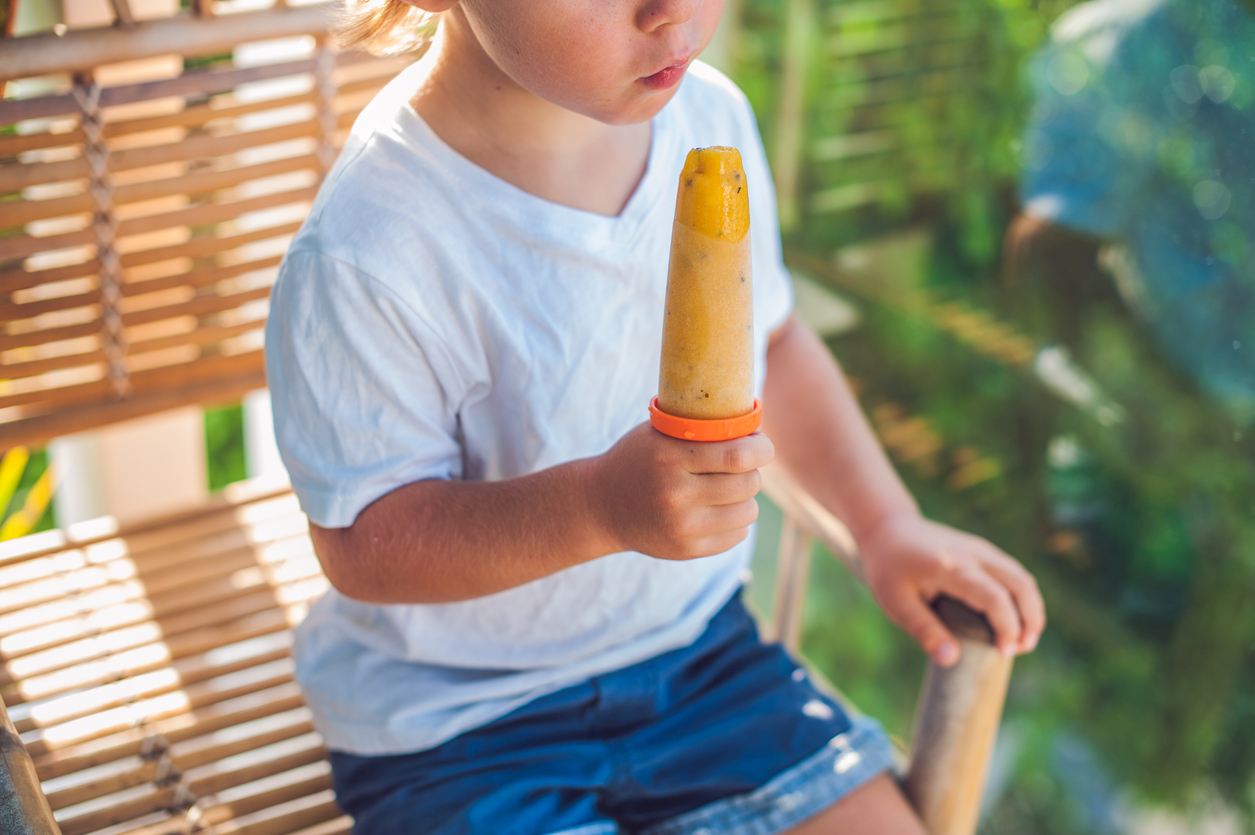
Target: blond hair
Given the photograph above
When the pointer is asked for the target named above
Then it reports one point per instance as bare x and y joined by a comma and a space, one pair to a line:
383, 27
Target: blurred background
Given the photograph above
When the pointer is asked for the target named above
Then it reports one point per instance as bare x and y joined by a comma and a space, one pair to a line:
1026, 229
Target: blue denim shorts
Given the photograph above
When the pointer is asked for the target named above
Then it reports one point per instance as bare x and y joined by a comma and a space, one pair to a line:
727, 735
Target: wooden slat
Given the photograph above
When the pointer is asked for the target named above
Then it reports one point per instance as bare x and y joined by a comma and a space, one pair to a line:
202, 82
212, 392
135, 607
202, 721
13, 144
24, 246
297, 786
215, 212
342, 825
219, 109
192, 183
284, 818
164, 706
12, 281
200, 763
201, 277
202, 335
279, 804
239, 648
33, 368
47, 336
16, 176
164, 527
48, 54
152, 647
199, 306
25, 310
49, 590
151, 380
46, 106
207, 245
196, 148
170, 632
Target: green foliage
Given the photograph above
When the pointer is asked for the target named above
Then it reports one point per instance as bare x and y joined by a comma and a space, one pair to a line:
224, 445
1140, 532
35, 467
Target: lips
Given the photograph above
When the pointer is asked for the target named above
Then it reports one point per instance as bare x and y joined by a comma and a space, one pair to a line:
669, 74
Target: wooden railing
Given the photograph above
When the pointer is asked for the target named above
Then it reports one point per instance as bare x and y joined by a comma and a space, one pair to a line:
23, 808
960, 707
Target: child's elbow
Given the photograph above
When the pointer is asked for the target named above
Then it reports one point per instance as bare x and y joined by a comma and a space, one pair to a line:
333, 546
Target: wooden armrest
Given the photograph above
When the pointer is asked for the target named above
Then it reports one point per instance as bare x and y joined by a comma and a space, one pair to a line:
23, 808
957, 716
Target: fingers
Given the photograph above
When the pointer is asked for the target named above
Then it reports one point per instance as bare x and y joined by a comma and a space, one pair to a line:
730, 517
919, 621
982, 592
723, 527
1023, 589
728, 488
739, 455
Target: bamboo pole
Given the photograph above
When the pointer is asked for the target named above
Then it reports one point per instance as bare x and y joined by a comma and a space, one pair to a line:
48, 54
956, 724
23, 808
960, 707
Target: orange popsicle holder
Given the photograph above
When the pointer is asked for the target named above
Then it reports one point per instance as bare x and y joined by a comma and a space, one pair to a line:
702, 429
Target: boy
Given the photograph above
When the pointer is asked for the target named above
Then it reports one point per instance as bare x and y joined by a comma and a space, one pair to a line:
535, 623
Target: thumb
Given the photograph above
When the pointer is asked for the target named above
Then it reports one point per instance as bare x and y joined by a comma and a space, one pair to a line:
920, 622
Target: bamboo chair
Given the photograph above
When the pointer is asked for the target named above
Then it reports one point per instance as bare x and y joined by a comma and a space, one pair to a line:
146, 668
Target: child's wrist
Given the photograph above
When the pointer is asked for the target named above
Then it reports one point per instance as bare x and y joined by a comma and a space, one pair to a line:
597, 532
865, 530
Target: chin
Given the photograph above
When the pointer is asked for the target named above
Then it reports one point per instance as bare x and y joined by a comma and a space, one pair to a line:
640, 108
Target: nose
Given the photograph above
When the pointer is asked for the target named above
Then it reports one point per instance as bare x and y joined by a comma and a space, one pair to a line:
655, 14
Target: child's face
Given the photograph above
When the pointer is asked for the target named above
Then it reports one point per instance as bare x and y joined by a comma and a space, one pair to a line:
594, 56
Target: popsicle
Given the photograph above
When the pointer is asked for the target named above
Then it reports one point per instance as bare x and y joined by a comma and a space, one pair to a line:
706, 374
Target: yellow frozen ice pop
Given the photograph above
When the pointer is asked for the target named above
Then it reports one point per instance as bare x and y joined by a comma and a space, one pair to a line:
706, 377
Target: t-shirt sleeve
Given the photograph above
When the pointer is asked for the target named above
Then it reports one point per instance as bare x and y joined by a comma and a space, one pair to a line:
1086, 152
363, 392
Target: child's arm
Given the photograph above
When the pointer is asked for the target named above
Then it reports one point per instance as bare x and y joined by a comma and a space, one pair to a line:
438, 541
825, 442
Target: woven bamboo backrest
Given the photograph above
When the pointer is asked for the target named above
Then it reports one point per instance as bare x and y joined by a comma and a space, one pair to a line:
137, 253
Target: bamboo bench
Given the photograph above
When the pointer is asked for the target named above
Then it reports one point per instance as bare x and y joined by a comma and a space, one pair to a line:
146, 667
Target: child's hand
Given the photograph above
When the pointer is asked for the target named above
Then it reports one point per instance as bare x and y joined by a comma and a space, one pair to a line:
909, 560
678, 499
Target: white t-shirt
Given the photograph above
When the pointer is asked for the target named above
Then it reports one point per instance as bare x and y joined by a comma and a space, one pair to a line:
430, 320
